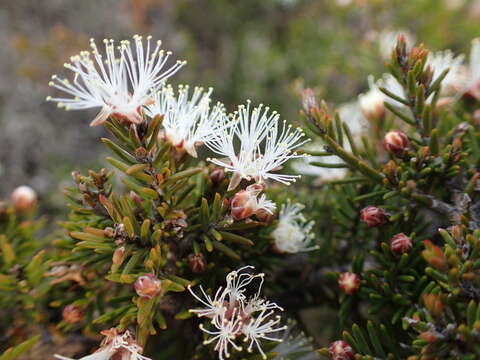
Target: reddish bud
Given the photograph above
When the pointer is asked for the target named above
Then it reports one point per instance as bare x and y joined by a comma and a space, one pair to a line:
341, 350
264, 216
396, 143
148, 286
217, 176
434, 255
349, 283
24, 198
72, 314
373, 216
433, 303
197, 263
243, 205
428, 337
400, 244
118, 255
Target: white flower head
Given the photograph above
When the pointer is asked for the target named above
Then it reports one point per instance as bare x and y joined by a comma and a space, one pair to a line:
293, 233
473, 84
188, 121
372, 102
113, 346
118, 82
264, 145
387, 40
233, 314
456, 78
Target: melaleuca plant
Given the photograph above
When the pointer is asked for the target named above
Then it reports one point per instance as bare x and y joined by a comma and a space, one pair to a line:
23, 289
407, 210
171, 221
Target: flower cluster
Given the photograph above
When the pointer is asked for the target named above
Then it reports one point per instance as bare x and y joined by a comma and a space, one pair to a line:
115, 346
293, 233
128, 84
233, 315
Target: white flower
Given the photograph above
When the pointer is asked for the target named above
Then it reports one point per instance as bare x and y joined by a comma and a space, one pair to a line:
456, 78
260, 328
372, 102
119, 82
473, 83
113, 346
233, 314
188, 121
387, 40
293, 233
263, 145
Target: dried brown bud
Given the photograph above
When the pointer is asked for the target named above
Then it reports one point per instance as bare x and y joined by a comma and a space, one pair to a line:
396, 143
400, 244
148, 286
72, 314
349, 283
373, 216
341, 350
109, 232
140, 153
197, 263
24, 198
118, 255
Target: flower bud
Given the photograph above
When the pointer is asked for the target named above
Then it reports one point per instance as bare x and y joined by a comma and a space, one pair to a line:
197, 263
217, 176
118, 255
396, 143
434, 255
243, 205
373, 216
264, 215
349, 283
400, 244
148, 286
341, 350
24, 198
72, 314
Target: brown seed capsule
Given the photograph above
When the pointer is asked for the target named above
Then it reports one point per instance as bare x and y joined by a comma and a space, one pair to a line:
373, 216
24, 198
197, 263
396, 143
148, 286
349, 283
72, 314
341, 350
400, 244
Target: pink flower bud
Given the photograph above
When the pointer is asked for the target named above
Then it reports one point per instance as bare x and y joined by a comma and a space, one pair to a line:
400, 244
118, 255
197, 263
373, 216
396, 143
72, 314
341, 350
24, 198
244, 203
148, 286
217, 176
349, 283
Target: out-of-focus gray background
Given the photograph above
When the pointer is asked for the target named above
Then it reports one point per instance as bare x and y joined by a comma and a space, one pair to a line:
264, 50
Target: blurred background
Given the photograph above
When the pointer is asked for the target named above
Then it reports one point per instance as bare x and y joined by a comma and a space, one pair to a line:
263, 50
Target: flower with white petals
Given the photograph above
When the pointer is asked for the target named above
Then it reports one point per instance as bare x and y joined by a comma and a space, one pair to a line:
372, 102
293, 233
188, 121
264, 145
234, 315
456, 78
119, 83
115, 346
